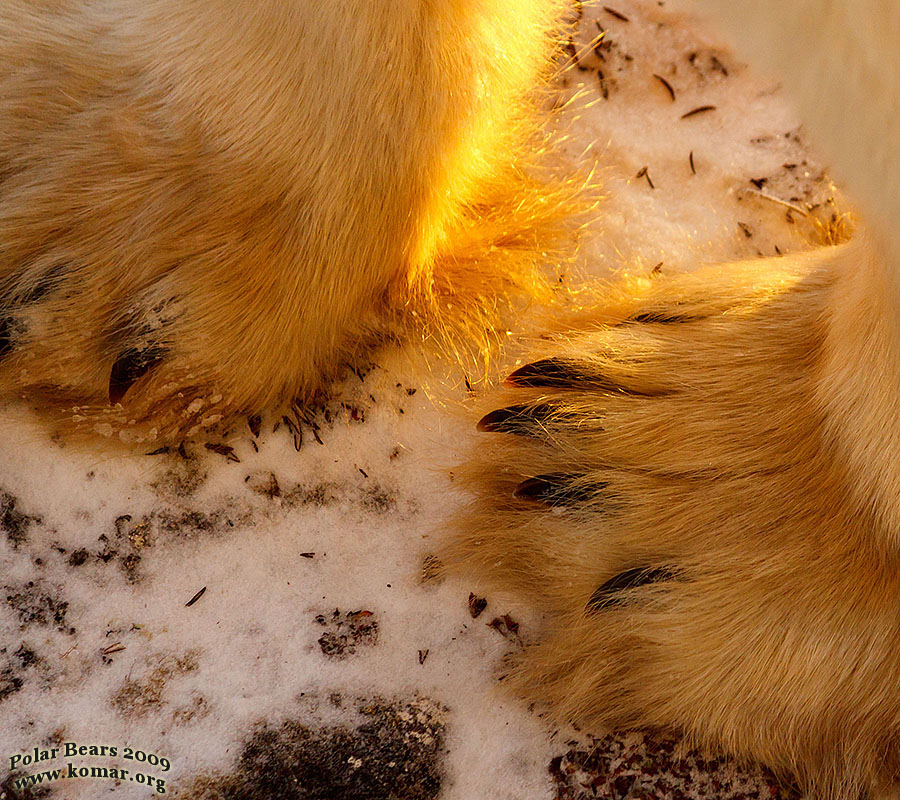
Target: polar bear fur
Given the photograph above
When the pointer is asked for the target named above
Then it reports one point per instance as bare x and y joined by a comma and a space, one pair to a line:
697, 478
207, 207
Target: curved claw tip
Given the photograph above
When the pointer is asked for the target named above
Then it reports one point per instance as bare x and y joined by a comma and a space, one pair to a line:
546, 373
520, 419
131, 365
556, 489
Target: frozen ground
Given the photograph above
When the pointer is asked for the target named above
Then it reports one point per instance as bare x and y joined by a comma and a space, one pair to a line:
322, 658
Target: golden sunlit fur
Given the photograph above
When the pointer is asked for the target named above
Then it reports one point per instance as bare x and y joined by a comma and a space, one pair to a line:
207, 207
698, 477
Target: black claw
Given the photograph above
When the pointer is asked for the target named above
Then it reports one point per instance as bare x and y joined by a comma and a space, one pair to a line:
558, 373
521, 420
555, 489
610, 593
548, 373
131, 365
6, 336
660, 318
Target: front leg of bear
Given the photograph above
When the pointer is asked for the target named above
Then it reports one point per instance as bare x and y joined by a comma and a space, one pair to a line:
207, 208
664, 482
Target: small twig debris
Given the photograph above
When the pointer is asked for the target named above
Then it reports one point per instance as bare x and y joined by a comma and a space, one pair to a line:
616, 14
643, 172
699, 110
223, 450
666, 84
476, 605
195, 598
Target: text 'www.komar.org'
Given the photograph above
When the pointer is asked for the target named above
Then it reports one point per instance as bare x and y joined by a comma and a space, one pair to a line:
71, 770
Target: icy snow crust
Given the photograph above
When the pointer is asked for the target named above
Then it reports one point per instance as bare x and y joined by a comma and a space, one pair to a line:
322, 652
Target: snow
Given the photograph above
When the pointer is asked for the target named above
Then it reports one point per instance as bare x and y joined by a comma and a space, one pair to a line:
102, 552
